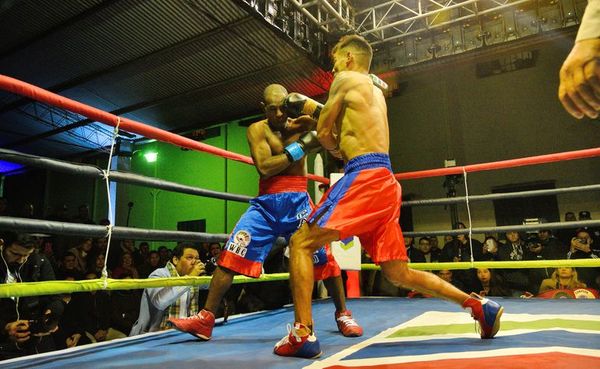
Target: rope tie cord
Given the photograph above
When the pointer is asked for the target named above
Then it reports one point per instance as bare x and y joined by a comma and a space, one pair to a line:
469, 215
111, 220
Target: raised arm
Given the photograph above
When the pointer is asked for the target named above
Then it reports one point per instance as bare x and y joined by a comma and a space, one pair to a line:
326, 130
265, 162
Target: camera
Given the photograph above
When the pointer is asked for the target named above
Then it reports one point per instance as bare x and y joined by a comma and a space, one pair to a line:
532, 241
581, 240
44, 324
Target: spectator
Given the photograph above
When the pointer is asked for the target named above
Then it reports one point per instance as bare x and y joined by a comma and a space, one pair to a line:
448, 276
552, 248
100, 245
159, 304
515, 249
81, 252
490, 249
435, 245
425, 252
152, 264
204, 252
83, 215
68, 267
582, 247
114, 256
165, 255
47, 249
96, 264
459, 249
534, 247
141, 254
563, 278
215, 251
19, 336
594, 232
409, 242
565, 234
491, 283
125, 268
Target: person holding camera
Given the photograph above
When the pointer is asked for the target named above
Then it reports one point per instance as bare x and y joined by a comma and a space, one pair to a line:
583, 247
26, 322
157, 305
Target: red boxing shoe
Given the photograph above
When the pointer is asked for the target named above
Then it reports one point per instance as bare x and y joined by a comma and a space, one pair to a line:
306, 346
199, 325
486, 312
347, 325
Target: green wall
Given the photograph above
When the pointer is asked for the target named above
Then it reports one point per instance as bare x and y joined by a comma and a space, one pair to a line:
159, 209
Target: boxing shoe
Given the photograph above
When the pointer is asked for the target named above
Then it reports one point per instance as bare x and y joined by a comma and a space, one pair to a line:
486, 312
347, 325
299, 342
199, 325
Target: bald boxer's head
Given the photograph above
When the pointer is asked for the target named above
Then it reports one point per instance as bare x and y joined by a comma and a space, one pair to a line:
272, 103
353, 53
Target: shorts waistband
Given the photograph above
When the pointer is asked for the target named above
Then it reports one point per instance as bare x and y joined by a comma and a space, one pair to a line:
278, 184
368, 161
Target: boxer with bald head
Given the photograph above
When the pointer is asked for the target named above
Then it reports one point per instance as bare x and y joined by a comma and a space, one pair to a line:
278, 146
365, 202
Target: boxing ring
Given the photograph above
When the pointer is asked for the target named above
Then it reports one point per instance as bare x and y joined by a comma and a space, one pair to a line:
399, 332
416, 333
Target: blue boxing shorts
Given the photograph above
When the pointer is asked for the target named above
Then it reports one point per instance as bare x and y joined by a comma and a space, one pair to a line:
280, 209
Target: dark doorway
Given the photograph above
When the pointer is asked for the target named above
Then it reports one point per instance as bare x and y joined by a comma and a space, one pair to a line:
514, 211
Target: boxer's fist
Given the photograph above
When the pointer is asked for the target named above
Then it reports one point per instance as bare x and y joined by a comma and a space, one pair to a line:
307, 143
296, 104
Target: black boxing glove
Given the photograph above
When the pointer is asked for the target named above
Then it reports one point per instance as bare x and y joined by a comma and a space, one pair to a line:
296, 104
307, 143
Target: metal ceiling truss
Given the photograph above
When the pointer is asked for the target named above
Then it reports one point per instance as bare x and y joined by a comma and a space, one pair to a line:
93, 136
405, 32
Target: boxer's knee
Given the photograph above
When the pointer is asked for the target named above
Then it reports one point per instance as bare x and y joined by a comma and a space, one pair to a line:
397, 272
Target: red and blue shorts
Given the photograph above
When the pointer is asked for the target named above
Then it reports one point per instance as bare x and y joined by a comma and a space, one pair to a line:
365, 202
279, 210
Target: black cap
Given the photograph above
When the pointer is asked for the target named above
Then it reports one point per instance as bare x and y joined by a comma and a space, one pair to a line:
584, 214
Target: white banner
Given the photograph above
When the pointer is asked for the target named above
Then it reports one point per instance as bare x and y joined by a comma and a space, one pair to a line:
346, 252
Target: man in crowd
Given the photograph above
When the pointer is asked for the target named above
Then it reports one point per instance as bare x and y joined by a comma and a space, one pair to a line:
160, 304
26, 322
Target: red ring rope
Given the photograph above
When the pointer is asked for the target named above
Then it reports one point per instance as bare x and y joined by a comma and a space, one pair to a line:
22, 88
532, 160
36, 93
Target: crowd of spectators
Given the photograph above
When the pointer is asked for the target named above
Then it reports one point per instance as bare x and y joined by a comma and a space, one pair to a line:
45, 323
542, 244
